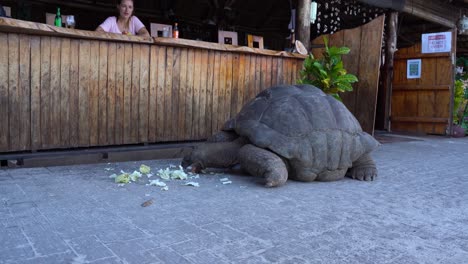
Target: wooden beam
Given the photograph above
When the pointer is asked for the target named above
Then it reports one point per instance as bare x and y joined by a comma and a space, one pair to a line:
434, 11
303, 22
390, 49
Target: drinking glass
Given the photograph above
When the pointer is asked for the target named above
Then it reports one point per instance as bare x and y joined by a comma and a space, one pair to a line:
70, 22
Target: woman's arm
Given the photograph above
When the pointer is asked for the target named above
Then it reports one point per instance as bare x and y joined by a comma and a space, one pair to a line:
143, 32
100, 29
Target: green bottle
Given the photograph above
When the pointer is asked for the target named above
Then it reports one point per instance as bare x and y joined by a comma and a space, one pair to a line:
58, 18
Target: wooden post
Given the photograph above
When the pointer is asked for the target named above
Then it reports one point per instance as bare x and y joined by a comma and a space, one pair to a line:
390, 49
303, 22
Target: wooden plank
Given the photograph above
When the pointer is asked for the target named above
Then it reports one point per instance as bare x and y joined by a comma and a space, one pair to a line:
189, 94
286, 72
264, 73
196, 94
209, 93
247, 80
168, 94
410, 54
337, 39
415, 119
241, 84
135, 95
269, 72
228, 88
426, 104
220, 114
236, 85
74, 92
202, 132
83, 93
35, 92
274, 71
119, 94
258, 75
184, 67
352, 40
176, 134
252, 92
101, 97
279, 72
216, 85
64, 92
444, 71
160, 92
143, 129
153, 95
54, 131
4, 101
127, 124
111, 93
371, 43
25, 92
422, 87
45, 92
14, 99
94, 87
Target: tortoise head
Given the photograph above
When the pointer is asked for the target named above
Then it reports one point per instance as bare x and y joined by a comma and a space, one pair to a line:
189, 161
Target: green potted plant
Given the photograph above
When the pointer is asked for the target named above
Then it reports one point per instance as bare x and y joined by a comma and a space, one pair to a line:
328, 73
460, 99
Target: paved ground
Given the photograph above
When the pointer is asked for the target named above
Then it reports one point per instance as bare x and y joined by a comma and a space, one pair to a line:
416, 212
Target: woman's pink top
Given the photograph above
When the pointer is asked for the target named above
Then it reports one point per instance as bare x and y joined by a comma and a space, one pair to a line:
110, 25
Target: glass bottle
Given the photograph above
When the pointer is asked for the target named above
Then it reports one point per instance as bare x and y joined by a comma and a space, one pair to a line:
175, 31
58, 18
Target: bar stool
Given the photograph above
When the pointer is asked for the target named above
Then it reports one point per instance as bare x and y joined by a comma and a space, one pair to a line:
254, 41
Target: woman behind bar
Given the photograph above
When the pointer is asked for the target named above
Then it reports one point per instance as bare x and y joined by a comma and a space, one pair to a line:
126, 23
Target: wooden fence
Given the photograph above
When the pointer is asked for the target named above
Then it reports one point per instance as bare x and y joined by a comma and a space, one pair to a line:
68, 92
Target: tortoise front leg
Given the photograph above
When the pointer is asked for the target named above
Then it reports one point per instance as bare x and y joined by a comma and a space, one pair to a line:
363, 169
260, 162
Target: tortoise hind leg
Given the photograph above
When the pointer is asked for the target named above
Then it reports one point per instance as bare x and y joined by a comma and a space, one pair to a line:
363, 169
260, 162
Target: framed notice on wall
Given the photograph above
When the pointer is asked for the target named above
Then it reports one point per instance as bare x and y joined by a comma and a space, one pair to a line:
413, 69
437, 42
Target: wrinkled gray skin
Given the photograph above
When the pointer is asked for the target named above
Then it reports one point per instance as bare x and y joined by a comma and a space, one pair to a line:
294, 132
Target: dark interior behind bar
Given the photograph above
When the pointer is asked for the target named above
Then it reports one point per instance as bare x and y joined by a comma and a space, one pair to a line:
197, 20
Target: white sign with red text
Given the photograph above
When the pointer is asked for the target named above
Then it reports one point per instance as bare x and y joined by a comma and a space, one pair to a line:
437, 42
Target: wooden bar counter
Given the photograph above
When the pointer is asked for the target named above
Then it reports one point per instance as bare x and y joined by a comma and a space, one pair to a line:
64, 88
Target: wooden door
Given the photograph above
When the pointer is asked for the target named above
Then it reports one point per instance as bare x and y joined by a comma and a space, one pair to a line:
365, 43
423, 105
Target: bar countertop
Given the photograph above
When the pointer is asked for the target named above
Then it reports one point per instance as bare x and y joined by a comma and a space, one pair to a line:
10, 25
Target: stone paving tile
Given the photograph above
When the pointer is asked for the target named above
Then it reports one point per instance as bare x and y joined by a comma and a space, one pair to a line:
59, 258
167, 255
90, 247
113, 260
14, 245
134, 251
44, 240
203, 257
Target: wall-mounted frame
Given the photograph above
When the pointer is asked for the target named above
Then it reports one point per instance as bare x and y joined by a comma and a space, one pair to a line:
413, 69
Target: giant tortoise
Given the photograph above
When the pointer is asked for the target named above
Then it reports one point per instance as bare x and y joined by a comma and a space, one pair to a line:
295, 132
